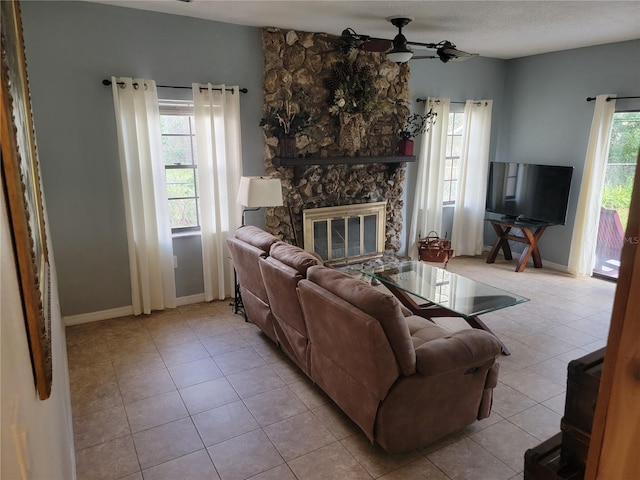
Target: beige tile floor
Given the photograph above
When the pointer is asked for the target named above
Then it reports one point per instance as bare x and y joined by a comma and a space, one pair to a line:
197, 393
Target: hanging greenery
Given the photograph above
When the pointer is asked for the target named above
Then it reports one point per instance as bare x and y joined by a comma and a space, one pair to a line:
416, 124
351, 90
285, 121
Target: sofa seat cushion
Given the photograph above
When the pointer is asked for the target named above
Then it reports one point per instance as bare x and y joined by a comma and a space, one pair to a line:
380, 305
423, 330
256, 236
294, 257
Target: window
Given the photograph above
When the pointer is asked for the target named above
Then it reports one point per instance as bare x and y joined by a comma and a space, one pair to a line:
616, 195
452, 158
180, 162
621, 164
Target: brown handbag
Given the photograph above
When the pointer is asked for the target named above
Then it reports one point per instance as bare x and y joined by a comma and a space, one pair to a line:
432, 248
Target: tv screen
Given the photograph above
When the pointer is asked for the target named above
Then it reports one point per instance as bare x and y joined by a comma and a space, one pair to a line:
529, 192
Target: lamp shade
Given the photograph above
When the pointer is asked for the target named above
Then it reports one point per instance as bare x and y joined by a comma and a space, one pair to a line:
260, 192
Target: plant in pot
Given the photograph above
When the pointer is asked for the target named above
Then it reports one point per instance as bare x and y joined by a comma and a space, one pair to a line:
415, 124
285, 123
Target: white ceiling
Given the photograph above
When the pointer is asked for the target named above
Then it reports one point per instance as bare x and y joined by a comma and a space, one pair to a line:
499, 29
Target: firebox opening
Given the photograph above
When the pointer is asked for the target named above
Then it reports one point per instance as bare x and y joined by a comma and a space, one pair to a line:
346, 233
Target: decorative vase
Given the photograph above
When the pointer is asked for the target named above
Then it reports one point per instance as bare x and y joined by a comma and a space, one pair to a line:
287, 146
352, 129
405, 147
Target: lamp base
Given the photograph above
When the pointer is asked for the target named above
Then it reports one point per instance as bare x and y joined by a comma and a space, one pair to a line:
244, 210
238, 306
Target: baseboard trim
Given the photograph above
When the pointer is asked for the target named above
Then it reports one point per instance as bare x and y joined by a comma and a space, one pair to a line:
545, 263
198, 298
555, 266
97, 316
122, 311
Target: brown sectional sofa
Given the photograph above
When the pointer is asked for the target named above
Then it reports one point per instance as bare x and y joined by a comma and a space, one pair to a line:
402, 379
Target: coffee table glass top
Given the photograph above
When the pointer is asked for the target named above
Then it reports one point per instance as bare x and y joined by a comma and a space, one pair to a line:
451, 291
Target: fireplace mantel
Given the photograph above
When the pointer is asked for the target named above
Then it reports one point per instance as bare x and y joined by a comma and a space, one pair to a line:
305, 161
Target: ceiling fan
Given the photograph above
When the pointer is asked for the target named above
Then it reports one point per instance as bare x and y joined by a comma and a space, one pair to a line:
402, 52
397, 50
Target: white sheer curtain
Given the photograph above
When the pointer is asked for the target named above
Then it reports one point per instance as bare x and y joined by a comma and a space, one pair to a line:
217, 118
585, 229
468, 218
427, 203
143, 182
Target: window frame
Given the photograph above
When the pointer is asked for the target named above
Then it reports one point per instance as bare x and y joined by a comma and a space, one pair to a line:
183, 108
453, 179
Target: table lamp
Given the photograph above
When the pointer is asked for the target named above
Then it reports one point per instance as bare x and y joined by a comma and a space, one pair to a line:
257, 192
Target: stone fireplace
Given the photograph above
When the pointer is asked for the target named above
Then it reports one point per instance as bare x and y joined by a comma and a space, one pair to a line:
296, 65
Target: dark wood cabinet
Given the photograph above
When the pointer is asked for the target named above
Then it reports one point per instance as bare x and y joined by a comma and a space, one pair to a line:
564, 456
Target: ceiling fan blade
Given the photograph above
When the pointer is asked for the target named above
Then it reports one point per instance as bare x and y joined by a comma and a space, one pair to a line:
461, 56
424, 57
330, 38
449, 53
446, 49
424, 45
345, 43
376, 45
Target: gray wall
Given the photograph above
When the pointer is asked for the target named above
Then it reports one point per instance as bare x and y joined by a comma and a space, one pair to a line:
71, 47
539, 114
478, 78
546, 118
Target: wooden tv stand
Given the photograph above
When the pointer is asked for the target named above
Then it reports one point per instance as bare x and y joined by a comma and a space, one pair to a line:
532, 231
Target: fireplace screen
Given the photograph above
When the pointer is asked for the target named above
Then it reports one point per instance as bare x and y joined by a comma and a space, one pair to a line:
345, 234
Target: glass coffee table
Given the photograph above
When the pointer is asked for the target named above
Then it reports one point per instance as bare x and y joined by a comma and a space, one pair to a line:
445, 294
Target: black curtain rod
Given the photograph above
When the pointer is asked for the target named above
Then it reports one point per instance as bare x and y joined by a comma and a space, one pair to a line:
108, 82
419, 100
608, 99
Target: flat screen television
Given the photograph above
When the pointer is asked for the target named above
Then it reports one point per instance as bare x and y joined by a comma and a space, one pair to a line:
529, 192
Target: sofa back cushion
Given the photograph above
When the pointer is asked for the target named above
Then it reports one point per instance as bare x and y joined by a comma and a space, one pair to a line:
349, 353
382, 306
245, 261
281, 271
256, 236
245, 257
294, 257
246, 247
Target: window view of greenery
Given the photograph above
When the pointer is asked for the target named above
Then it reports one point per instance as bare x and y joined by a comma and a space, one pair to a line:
179, 152
621, 166
452, 159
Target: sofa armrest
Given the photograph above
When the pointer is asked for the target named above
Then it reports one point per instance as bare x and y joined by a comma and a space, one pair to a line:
464, 349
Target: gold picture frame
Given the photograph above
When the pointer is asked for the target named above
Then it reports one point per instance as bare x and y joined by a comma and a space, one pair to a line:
23, 190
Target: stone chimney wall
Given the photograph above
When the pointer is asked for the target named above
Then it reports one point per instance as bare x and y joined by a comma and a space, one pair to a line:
296, 66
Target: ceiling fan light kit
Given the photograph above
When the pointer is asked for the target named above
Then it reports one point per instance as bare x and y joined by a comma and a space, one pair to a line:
401, 52
399, 56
